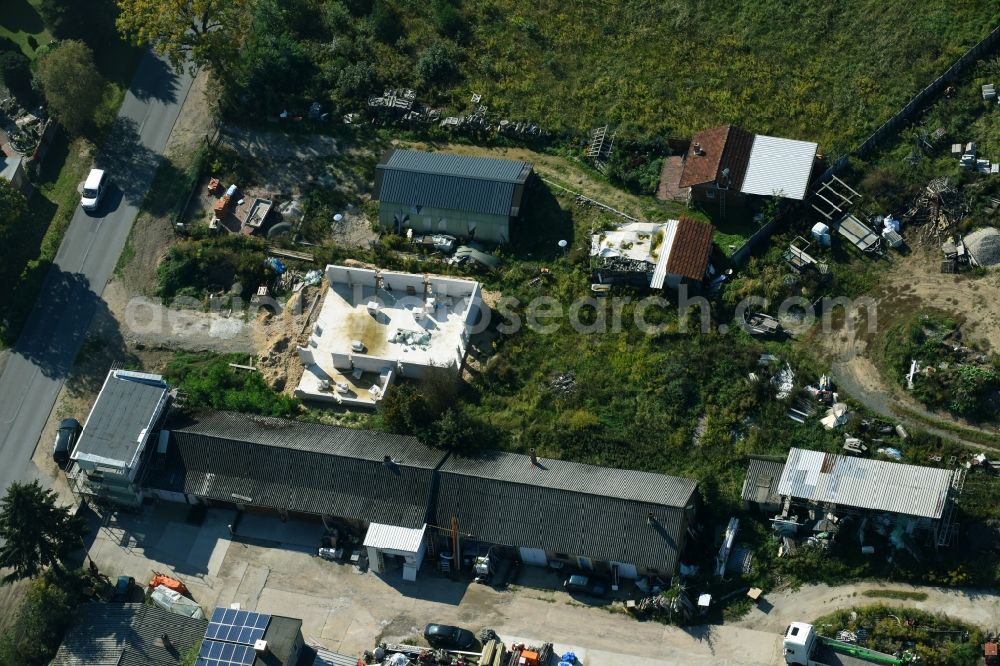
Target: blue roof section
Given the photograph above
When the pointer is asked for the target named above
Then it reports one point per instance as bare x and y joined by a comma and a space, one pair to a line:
456, 182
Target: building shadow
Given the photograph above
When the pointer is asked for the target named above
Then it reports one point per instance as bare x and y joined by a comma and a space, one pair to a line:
544, 222
429, 586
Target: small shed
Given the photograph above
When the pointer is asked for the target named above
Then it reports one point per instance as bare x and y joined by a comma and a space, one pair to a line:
405, 545
760, 488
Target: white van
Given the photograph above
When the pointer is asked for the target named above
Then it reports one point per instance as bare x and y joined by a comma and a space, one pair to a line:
93, 189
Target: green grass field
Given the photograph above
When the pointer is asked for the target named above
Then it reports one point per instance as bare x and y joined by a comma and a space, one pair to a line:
827, 72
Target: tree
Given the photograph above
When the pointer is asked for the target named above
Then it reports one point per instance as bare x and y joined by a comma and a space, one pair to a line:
15, 71
206, 32
36, 532
71, 84
12, 207
456, 431
273, 62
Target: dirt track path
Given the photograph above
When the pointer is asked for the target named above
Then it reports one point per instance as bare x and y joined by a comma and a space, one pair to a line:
910, 284
978, 607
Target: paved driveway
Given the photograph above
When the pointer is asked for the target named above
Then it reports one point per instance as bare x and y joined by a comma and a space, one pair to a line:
348, 611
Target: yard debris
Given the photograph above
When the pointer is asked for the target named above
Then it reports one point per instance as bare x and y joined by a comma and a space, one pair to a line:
563, 383
836, 416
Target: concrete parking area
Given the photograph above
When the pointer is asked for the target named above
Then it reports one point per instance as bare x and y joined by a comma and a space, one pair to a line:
348, 611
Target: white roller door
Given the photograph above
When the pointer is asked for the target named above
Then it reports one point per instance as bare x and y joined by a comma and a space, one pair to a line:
534, 556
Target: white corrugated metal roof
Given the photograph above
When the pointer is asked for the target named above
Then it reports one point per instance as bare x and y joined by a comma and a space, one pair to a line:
779, 165
393, 537
866, 484
660, 273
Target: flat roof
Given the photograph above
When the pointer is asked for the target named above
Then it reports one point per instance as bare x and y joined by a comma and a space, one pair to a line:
779, 167
124, 414
394, 537
864, 483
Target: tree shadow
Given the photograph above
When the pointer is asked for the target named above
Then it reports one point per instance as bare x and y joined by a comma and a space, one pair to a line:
56, 327
21, 16
155, 79
103, 346
130, 165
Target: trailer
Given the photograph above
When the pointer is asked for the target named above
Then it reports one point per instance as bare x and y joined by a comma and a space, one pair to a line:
804, 647
858, 233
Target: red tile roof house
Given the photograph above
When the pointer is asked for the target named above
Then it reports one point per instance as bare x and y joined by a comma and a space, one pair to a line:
728, 165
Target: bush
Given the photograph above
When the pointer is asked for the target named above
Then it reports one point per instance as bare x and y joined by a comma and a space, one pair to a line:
447, 18
436, 64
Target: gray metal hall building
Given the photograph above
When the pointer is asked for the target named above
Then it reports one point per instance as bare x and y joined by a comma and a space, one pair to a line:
404, 500
468, 197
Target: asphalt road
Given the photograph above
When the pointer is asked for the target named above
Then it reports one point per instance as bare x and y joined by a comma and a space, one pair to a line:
43, 355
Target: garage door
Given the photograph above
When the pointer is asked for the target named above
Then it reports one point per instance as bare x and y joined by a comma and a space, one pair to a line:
625, 570
534, 556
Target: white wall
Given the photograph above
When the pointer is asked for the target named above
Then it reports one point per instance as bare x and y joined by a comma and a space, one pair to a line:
341, 361
371, 363
398, 282
350, 276
306, 355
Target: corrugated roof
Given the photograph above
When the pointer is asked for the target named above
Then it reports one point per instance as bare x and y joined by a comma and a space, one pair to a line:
779, 165
109, 634
761, 484
128, 404
627, 484
393, 537
326, 657
303, 467
457, 182
567, 507
865, 483
725, 147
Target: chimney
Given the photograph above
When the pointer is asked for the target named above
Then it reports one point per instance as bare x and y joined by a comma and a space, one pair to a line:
650, 519
260, 647
166, 641
534, 458
697, 148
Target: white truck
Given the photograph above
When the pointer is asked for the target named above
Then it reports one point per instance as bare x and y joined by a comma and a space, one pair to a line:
804, 647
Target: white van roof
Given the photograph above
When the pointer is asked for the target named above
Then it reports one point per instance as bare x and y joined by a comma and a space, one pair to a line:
94, 179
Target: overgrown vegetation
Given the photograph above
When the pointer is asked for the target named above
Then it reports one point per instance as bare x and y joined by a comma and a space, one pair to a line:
653, 69
208, 382
932, 637
896, 594
953, 376
196, 267
47, 611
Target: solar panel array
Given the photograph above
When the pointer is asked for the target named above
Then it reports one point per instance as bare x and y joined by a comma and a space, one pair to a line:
230, 637
217, 653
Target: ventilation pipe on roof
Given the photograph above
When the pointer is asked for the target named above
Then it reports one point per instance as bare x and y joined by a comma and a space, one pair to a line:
534, 458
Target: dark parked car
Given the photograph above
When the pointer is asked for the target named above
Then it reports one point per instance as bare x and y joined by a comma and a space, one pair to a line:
69, 430
585, 585
449, 637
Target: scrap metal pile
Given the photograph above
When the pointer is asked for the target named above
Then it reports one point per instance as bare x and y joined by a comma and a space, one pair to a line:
24, 128
400, 105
